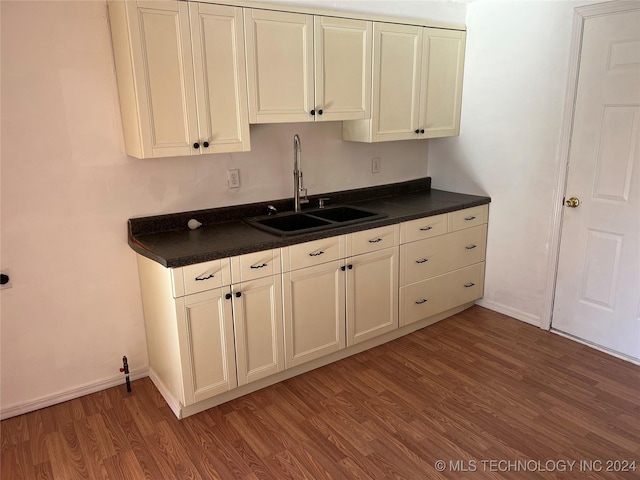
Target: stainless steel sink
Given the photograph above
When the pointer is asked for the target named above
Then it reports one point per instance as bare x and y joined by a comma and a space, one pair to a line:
292, 223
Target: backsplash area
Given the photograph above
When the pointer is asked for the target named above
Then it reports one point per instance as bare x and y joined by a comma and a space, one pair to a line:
329, 164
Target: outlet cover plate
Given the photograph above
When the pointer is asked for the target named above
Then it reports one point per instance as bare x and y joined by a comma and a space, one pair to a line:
233, 178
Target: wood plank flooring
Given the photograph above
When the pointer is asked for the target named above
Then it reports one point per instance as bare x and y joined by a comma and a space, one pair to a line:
479, 391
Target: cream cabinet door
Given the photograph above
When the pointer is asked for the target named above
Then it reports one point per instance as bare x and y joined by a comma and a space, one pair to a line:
217, 33
279, 66
397, 65
441, 94
152, 49
314, 312
372, 294
342, 68
205, 333
257, 311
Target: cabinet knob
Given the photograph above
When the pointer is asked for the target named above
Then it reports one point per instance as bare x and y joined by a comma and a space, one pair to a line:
417, 131
4, 279
422, 130
205, 144
320, 112
196, 145
350, 267
312, 112
343, 268
238, 294
228, 296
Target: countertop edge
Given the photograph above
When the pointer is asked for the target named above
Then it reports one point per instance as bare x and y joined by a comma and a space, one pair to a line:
267, 241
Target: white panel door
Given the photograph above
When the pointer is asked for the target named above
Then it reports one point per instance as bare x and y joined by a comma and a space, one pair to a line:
205, 332
279, 66
598, 283
163, 70
396, 86
314, 312
342, 68
372, 295
257, 312
441, 96
218, 59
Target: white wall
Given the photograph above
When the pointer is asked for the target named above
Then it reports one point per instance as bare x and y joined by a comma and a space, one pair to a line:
517, 64
68, 188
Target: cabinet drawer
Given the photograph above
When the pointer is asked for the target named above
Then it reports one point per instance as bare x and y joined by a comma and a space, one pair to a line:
424, 259
469, 217
201, 277
255, 265
467, 247
463, 286
372, 240
423, 228
429, 297
421, 300
438, 255
313, 253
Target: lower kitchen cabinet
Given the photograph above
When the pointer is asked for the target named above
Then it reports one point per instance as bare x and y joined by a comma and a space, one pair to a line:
205, 333
442, 263
257, 311
219, 329
314, 312
372, 284
189, 327
345, 292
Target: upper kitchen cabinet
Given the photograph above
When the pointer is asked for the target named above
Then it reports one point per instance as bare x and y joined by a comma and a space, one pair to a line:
417, 84
181, 77
307, 68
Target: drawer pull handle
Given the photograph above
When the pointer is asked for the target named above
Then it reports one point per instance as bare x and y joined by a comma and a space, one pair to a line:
258, 266
375, 240
470, 247
200, 279
426, 229
422, 260
468, 219
316, 254
469, 285
420, 302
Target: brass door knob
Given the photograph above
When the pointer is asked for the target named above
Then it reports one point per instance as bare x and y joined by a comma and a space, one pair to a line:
573, 202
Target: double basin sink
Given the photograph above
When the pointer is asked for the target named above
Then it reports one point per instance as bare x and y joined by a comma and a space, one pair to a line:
295, 223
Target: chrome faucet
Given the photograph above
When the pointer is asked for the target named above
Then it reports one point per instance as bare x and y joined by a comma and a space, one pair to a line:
298, 185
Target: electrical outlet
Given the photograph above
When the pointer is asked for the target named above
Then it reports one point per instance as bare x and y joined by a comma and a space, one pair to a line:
234, 178
376, 164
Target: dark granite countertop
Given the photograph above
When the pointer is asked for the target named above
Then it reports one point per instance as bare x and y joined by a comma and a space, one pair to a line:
167, 239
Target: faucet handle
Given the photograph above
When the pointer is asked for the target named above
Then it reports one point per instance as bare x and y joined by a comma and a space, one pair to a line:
304, 198
271, 210
321, 201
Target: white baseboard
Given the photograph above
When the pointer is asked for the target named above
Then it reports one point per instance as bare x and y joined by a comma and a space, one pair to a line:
512, 312
81, 391
174, 404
